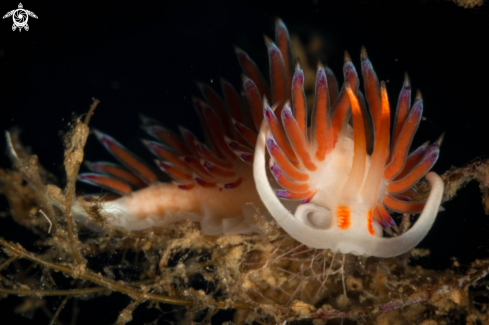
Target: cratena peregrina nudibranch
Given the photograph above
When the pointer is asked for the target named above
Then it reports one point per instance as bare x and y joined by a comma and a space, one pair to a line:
337, 196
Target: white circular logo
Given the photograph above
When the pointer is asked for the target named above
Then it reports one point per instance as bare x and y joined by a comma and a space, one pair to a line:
20, 17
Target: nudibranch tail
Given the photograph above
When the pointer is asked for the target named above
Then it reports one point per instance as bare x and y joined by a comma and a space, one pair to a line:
203, 179
206, 174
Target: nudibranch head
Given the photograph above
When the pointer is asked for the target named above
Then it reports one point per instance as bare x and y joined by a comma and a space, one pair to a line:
346, 192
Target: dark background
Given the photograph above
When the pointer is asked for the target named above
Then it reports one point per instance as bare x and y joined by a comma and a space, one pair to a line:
143, 57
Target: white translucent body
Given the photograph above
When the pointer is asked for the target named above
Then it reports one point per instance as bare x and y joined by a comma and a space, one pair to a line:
218, 210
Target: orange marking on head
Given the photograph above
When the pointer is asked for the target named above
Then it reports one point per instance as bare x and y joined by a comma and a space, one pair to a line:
369, 223
343, 215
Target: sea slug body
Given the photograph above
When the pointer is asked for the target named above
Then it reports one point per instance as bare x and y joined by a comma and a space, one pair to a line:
340, 183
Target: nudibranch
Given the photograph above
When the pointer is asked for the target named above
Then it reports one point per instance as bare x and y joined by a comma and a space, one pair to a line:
337, 195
